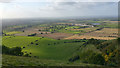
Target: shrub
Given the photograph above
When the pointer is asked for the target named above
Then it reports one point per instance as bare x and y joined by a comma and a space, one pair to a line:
74, 58
91, 57
96, 59
32, 34
31, 42
26, 55
94, 41
16, 51
36, 43
5, 50
12, 51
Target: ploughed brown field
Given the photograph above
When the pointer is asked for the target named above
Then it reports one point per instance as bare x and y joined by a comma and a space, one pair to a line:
104, 34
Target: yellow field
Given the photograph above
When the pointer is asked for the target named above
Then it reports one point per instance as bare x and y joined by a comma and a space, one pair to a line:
86, 29
13, 32
104, 34
89, 37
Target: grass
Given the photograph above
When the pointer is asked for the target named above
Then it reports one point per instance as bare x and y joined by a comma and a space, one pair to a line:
19, 41
77, 29
109, 25
9, 60
46, 49
24, 61
50, 52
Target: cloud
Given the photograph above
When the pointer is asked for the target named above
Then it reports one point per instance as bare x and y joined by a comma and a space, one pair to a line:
82, 0
6, 1
59, 9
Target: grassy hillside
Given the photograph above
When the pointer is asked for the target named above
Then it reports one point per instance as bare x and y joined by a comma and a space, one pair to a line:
44, 48
9, 60
60, 52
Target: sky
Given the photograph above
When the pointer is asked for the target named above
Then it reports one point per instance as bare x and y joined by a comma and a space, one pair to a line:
57, 8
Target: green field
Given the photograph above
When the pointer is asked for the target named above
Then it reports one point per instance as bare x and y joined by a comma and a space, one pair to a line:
44, 48
20, 41
109, 25
47, 51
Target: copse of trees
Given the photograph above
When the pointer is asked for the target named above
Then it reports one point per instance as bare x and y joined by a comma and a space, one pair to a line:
118, 40
89, 57
33, 34
17, 51
74, 58
96, 59
94, 41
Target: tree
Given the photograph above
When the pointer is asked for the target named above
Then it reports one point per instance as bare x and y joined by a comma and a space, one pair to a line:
26, 55
74, 58
12, 51
96, 59
39, 30
41, 33
33, 34
16, 51
23, 31
118, 39
5, 50
31, 42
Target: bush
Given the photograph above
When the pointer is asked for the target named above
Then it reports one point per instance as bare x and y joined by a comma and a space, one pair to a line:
5, 50
16, 51
36, 43
26, 55
31, 42
91, 57
94, 41
96, 59
118, 40
12, 51
74, 58
33, 34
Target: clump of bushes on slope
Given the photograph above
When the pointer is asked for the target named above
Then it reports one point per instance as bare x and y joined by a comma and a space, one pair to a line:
111, 51
32, 34
94, 41
17, 51
96, 59
74, 58
12, 51
89, 57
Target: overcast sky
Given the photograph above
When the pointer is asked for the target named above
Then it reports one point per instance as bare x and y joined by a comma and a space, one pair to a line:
57, 8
